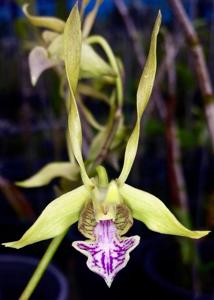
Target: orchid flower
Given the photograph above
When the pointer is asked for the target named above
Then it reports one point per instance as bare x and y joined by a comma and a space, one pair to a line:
51, 54
104, 210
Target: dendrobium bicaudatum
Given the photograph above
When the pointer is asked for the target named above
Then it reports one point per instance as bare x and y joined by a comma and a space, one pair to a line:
104, 209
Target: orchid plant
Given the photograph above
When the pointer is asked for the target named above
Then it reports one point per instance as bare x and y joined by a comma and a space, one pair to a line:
104, 209
97, 75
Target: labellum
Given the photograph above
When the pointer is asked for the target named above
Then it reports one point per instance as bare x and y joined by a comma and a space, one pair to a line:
108, 253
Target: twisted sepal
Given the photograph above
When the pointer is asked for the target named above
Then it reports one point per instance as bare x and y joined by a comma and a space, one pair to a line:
108, 253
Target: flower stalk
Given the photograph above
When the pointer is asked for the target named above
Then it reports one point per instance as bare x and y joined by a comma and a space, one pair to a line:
42, 266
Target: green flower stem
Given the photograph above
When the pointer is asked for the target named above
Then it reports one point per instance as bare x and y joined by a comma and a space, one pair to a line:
42, 266
96, 39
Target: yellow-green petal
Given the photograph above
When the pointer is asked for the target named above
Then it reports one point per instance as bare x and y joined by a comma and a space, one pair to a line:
51, 23
72, 47
55, 218
143, 95
150, 210
49, 172
90, 18
92, 64
72, 53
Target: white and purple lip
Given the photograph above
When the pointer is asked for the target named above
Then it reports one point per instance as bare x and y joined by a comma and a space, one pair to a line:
109, 253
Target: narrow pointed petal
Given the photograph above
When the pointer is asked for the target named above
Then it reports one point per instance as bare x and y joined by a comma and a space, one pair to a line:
92, 64
72, 55
108, 254
38, 63
153, 212
55, 218
143, 95
51, 23
90, 18
49, 172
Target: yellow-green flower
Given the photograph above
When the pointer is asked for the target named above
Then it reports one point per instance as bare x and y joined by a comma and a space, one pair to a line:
105, 210
50, 53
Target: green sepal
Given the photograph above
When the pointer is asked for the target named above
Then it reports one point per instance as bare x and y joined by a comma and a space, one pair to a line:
51, 23
90, 18
50, 172
143, 95
72, 54
72, 47
150, 210
55, 218
92, 65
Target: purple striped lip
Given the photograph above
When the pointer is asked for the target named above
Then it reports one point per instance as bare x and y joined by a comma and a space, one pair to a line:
109, 253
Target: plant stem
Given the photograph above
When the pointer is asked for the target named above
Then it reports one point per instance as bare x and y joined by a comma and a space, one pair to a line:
42, 266
200, 64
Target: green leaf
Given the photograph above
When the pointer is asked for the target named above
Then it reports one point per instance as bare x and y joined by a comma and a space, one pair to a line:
51, 23
55, 218
143, 95
153, 212
38, 63
49, 172
72, 53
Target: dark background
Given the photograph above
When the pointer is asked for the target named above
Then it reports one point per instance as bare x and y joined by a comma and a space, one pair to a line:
32, 134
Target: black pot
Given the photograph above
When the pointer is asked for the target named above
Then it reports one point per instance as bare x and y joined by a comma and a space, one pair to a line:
15, 271
164, 269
